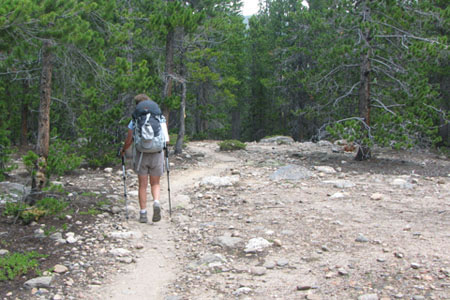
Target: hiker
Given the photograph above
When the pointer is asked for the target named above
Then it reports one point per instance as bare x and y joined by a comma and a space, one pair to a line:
147, 163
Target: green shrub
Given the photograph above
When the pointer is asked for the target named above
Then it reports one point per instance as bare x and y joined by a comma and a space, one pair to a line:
51, 206
17, 264
62, 158
230, 145
43, 207
173, 139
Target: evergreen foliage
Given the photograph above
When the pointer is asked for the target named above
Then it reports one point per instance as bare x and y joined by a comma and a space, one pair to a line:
375, 72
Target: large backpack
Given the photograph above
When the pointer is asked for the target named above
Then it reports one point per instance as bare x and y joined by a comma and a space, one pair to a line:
148, 136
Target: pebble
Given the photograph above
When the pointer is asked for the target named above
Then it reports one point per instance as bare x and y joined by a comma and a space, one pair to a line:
282, 262
258, 271
415, 266
361, 239
60, 269
368, 297
269, 265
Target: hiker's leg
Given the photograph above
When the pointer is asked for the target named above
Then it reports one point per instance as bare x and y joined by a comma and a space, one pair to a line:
143, 183
155, 186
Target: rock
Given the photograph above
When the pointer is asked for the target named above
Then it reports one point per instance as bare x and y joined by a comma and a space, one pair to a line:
291, 172
124, 259
39, 233
342, 272
39, 282
340, 184
337, 195
70, 238
116, 210
3, 252
418, 297
211, 258
277, 140
57, 297
269, 265
228, 242
256, 244
60, 269
325, 169
173, 298
368, 297
10, 191
282, 262
108, 170
258, 271
377, 196
415, 266
361, 239
242, 290
216, 181
119, 252
400, 182
303, 287
126, 235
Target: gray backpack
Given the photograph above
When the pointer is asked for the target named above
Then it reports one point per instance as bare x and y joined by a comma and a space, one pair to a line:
148, 135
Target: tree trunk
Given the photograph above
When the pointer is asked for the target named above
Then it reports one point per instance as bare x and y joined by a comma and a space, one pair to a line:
24, 121
43, 139
182, 131
364, 151
168, 71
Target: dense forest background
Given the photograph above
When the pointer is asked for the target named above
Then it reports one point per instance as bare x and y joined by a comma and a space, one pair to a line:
373, 72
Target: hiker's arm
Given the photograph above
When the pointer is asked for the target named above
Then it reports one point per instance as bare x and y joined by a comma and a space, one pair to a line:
128, 141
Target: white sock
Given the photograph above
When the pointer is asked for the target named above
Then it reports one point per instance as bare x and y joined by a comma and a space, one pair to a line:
143, 211
156, 201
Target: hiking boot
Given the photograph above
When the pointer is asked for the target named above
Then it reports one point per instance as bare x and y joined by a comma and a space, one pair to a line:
143, 217
156, 212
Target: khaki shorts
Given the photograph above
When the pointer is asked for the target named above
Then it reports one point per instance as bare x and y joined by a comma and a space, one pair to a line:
152, 164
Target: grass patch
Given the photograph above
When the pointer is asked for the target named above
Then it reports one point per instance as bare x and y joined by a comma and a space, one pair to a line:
18, 264
231, 145
44, 207
91, 212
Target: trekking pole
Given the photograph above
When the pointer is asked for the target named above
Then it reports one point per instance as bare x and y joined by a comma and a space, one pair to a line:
124, 176
166, 150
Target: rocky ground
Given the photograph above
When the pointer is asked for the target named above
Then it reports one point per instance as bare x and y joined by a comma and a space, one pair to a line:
276, 221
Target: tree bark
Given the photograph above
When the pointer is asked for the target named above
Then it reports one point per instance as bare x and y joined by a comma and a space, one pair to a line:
182, 131
168, 70
43, 140
24, 118
364, 151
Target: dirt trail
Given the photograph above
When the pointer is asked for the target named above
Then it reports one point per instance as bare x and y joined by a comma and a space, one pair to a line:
157, 266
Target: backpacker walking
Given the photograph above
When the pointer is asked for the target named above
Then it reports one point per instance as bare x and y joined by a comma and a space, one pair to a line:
147, 132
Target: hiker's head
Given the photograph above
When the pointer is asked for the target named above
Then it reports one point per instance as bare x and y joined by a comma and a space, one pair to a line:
141, 97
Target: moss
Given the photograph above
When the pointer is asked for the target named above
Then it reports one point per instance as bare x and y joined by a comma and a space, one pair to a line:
230, 145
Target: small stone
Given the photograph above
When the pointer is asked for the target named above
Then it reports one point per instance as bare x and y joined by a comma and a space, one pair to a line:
60, 269
139, 246
398, 255
377, 196
342, 271
282, 262
303, 287
3, 252
277, 243
258, 271
57, 297
361, 239
368, 297
418, 297
269, 265
329, 275
108, 170
43, 281
415, 266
